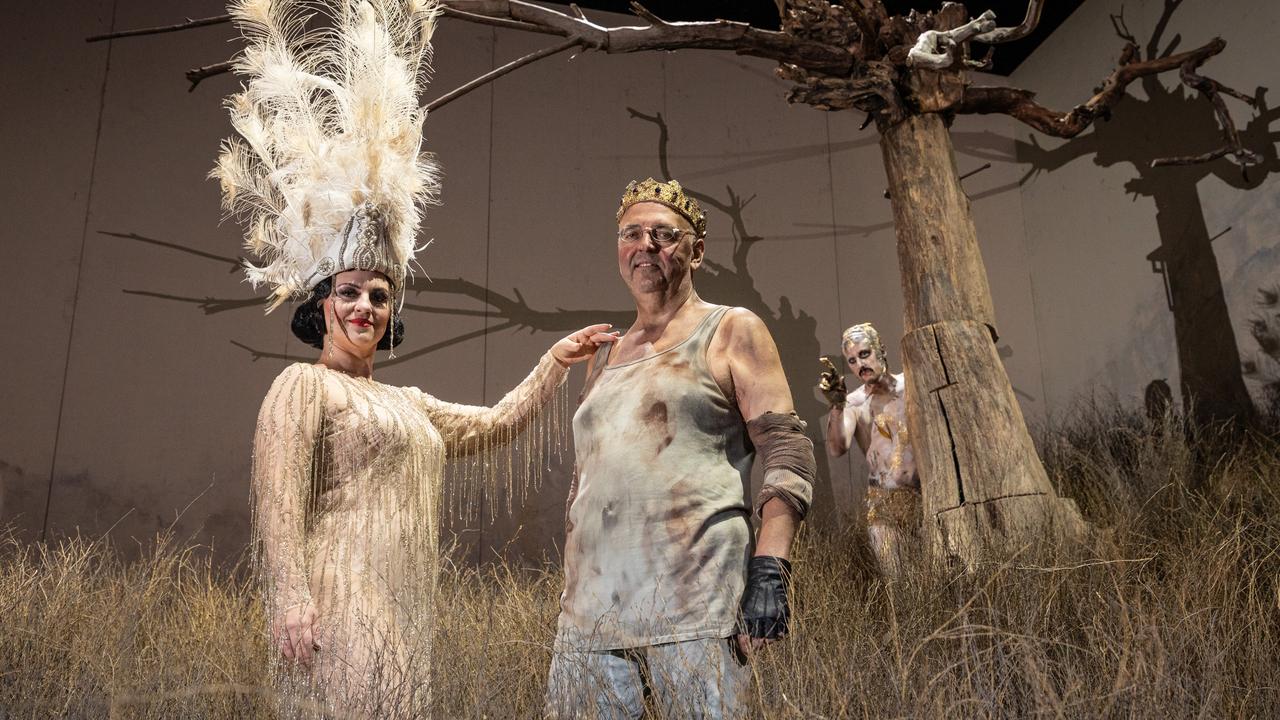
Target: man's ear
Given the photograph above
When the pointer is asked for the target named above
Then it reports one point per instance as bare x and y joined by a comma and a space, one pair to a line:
699, 250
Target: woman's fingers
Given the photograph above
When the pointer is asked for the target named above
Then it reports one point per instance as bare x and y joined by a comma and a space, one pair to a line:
306, 646
297, 641
287, 648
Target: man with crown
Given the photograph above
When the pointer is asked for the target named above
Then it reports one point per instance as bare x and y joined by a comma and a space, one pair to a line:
668, 591
875, 415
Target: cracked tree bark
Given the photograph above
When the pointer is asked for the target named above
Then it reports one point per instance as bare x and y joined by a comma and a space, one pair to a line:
984, 487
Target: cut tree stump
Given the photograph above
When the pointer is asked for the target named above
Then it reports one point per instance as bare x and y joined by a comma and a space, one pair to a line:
984, 488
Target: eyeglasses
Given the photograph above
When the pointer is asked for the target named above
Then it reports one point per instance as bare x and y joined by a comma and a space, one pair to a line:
661, 234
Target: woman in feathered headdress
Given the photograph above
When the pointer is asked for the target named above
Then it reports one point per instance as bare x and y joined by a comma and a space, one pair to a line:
328, 174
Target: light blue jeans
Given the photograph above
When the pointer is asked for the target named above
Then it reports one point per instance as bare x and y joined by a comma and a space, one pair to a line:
695, 679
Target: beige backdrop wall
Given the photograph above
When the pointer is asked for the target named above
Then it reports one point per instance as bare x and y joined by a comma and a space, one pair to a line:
131, 405
1102, 226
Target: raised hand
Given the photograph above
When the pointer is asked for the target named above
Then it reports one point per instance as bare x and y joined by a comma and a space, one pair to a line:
582, 344
831, 383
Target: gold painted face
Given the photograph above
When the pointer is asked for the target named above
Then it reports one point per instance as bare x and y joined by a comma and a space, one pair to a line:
646, 263
358, 311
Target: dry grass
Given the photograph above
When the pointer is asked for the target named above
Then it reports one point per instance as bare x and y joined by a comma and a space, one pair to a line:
1171, 610
83, 634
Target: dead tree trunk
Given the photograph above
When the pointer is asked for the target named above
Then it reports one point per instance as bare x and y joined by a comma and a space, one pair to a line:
984, 485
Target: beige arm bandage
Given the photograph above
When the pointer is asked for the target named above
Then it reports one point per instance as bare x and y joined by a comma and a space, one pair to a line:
789, 467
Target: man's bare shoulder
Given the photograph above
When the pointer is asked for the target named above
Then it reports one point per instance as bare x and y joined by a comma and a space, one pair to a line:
742, 320
739, 330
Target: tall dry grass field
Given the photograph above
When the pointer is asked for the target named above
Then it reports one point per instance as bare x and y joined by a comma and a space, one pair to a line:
1170, 610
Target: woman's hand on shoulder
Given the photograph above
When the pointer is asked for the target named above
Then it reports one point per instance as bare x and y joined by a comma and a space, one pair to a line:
582, 344
295, 633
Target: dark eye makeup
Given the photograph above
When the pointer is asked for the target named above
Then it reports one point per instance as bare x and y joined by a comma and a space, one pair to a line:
377, 296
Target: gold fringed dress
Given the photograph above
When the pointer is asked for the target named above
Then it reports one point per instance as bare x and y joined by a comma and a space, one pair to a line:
347, 490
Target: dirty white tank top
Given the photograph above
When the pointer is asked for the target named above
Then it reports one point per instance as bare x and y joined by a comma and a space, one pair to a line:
659, 529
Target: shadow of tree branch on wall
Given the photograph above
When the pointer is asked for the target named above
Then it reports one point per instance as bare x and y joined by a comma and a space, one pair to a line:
1139, 132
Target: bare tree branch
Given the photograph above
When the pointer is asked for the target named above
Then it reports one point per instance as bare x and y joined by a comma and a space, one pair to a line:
189, 23
499, 72
660, 35
497, 22
643, 12
1122, 28
195, 75
846, 54
222, 19
1021, 105
1009, 34
1213, 90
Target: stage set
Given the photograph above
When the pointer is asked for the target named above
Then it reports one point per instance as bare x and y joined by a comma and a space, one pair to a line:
409, 358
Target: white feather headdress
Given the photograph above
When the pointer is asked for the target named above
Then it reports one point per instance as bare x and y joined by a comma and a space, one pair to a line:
327, 173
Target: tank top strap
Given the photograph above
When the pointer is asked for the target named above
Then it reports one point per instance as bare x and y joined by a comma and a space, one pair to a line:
598, 363
700, 338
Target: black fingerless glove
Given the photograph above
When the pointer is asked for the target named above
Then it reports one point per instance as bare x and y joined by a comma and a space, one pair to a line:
765, 611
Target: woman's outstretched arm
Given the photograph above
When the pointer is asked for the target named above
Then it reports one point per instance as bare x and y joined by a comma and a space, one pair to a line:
468, 429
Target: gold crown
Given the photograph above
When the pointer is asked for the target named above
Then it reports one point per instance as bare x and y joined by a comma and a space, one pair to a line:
665, 193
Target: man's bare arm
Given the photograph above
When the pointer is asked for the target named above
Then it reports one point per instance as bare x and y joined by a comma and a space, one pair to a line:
839, 433
760, 386
764, 399
778, 525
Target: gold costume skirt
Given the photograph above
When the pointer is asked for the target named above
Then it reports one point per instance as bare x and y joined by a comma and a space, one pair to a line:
897, 507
